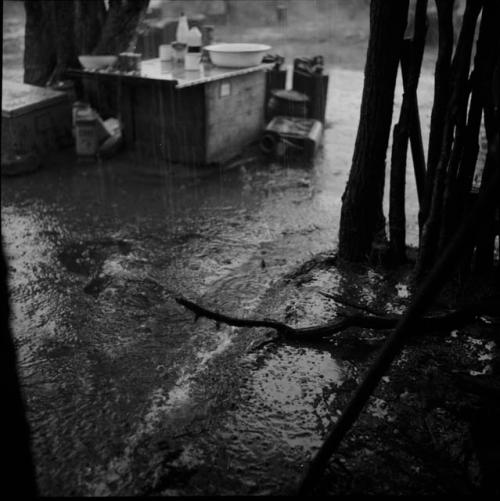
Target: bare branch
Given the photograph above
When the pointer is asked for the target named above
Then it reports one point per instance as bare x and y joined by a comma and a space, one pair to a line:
444, 321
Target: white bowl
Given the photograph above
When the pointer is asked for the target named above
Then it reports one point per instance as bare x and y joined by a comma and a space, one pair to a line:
96, 62
237, 55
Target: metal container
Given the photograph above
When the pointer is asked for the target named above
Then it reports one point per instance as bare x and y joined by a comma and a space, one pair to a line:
129, 61
291, 134
310, 80
78, 107
86, 132
288, 103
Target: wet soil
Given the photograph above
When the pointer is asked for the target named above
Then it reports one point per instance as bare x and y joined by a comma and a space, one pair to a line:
127, 395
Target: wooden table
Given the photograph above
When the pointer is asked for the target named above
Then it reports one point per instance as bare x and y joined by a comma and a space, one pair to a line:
195, 117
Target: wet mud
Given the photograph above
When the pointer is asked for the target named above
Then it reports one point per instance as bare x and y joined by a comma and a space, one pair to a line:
128, 395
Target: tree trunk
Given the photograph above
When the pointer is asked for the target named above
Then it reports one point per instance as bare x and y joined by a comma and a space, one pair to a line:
89, 20
57, 31
485, 250
488, 47
397, 216
362, 215
441, 95
119, 33
411, 62
456, 106
63, 21
39, 49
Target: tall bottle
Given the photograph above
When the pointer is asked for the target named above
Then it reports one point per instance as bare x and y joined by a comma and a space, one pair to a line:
182, 32
181, 39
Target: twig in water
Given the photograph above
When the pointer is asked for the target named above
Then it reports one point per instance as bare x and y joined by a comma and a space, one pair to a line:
341, 300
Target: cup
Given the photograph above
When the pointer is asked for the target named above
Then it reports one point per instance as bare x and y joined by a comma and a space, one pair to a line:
165, 52
179, 52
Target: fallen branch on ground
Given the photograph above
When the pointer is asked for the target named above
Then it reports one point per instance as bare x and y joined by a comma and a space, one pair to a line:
438, 322
345, 302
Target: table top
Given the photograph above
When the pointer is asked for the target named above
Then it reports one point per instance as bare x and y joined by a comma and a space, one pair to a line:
154, 69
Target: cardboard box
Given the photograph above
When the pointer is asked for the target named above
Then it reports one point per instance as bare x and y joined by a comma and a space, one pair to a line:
34, 119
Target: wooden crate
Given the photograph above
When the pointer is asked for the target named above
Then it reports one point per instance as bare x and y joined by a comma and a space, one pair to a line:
168, 123
200, 124
234, 114
34, 119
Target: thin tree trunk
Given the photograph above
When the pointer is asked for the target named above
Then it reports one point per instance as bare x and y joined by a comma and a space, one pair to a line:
417, 150
362, 215
488, 48
89, 20
411, 62
441, 95
63, 21
397, 216
459, 74
484, 257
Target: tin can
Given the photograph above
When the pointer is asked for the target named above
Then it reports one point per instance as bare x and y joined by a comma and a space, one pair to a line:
178, 52
87, 142
165, 52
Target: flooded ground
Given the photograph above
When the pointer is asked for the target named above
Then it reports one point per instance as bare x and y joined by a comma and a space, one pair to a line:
126, 394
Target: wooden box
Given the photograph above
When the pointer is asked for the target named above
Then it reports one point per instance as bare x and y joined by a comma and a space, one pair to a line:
34, 119
198, 124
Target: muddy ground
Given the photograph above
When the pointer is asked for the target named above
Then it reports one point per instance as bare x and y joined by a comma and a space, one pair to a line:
127, 395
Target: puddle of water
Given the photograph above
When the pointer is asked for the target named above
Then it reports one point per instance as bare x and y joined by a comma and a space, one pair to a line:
291, 387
